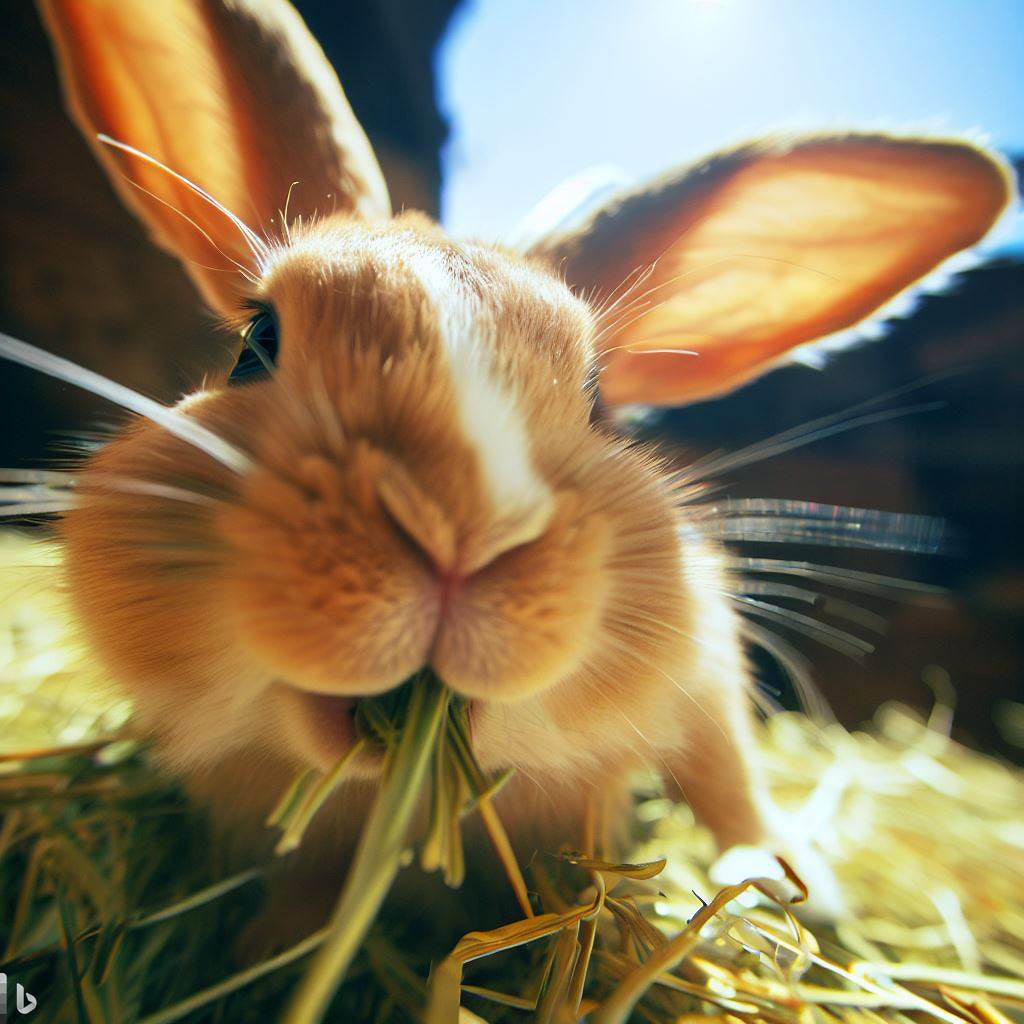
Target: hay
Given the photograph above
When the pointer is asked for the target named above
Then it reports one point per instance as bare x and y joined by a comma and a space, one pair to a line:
115, 905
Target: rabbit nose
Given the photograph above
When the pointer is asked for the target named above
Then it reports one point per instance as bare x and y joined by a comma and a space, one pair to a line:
512, 531
481, 549
427, 526
420, 520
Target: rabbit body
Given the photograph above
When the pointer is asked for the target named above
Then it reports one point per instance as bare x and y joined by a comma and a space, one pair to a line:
424, 479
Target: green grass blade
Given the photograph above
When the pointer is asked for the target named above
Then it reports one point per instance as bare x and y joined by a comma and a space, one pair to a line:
296, 820
379, 853
236, 981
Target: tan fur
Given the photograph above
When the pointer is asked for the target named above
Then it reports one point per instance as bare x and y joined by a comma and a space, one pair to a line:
375, 533
298, 571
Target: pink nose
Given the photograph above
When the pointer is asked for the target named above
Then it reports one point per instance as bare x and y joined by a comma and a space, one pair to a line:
448, 581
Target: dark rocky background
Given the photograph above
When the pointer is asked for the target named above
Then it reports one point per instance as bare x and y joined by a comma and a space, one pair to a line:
79, 278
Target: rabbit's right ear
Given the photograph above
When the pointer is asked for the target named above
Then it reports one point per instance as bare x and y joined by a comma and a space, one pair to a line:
236, 100
743, 258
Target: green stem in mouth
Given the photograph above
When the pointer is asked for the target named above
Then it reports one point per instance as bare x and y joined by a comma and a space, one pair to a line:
296, 819
379, 854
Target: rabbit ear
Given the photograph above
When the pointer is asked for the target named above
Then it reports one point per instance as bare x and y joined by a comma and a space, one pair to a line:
234, 97
760, 250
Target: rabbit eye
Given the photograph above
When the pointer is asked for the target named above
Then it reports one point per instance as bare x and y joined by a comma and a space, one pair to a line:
259, 349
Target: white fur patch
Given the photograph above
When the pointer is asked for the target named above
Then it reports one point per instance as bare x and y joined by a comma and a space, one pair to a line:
493, 424
489, 417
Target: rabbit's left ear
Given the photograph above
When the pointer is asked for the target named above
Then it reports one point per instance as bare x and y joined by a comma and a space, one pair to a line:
760, 250
233, 95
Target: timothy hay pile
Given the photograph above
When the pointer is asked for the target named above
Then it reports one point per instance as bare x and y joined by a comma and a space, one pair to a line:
114, 905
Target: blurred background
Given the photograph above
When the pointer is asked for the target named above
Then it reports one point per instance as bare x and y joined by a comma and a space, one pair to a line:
477, 109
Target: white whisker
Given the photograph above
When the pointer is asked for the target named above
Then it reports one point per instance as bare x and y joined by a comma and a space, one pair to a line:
915, 538
242, 268
837, 639
763, 588
284, 214
632, 350
795, 665
10, 495
657, 753
822, 602
171, 420
625, 649
34, 508
798, 437
149, 488
256, 244
849, 579
784, 521
798, 507
813, 430
51, 477
642, 273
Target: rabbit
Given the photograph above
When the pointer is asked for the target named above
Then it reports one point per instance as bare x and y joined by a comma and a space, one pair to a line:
415, 462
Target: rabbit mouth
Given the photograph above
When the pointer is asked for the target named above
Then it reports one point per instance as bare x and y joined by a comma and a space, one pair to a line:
324, 727
320, 726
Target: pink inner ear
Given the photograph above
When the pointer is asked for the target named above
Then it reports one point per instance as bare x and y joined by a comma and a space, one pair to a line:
782, 249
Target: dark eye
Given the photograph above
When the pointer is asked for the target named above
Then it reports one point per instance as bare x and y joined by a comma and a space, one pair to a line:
259, 349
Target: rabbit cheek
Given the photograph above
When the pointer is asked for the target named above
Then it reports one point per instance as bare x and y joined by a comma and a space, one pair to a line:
149, 619
142, 581
529, 618
323, 593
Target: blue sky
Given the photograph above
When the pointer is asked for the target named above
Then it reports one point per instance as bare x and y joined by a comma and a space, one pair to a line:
539, 89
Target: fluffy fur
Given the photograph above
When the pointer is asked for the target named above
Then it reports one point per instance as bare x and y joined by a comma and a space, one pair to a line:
428, 480
367, 540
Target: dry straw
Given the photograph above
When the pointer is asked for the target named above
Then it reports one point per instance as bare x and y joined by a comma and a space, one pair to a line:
115, 905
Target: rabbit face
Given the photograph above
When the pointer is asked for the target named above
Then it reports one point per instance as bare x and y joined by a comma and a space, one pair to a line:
426, 487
